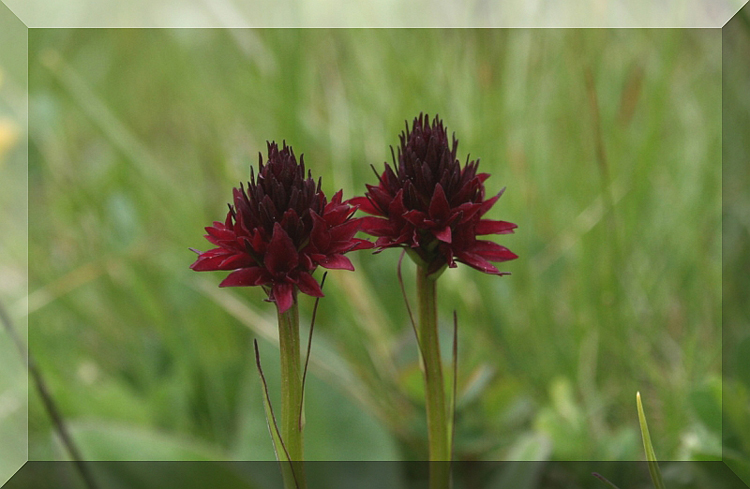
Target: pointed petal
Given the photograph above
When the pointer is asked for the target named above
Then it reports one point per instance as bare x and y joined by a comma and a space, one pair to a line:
320, 238
290, 219
486, 226
220, 232
236, 261
306, 263
215, 241
336, 200
361, 244
281, 255
386, 242
396, 209
476, 261
336, 262
389, 178
246, 277
335, 212
483, 177
467, 210
363, 204
447, 253
308, 285
440, 209
211, 260
443, 234
283, 295
376, 226
380, 198
415, 217
257, 242
492, 251
344, 232
487, 204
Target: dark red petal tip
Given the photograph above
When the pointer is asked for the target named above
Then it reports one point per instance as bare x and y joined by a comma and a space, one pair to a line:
308, 285
485, 226
337, 262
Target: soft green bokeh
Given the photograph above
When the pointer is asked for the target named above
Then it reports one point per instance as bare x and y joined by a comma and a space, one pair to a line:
376, 13
138, 137
13, 243
736, 255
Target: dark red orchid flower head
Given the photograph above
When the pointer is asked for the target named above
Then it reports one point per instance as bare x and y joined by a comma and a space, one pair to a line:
279, 230
430, 205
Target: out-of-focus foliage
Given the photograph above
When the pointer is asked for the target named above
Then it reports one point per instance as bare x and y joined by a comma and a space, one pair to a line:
609, 144
13, 242
736, 254
377, 13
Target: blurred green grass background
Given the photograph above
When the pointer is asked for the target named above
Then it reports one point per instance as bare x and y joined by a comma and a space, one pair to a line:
609, 144
735, 251
13, 240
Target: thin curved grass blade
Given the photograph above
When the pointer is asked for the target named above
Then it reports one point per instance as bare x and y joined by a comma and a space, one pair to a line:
408, 307
653, 466
604, 479
282, 454
301, 417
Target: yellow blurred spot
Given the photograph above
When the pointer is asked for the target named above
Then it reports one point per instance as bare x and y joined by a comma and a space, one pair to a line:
8, 135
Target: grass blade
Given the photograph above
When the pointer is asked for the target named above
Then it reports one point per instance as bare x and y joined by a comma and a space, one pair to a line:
653, 466
408, 307
604, 479
278, 443
50, 405
301, 417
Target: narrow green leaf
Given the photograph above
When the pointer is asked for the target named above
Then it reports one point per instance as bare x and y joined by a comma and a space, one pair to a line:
653, 466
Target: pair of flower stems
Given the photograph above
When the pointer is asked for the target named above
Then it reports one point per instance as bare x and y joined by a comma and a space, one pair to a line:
281, 228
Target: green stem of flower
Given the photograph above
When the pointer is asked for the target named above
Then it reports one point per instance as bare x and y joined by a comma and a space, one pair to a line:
291, 395
437, 420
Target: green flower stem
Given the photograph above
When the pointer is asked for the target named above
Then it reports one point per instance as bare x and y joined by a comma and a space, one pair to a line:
437, 419
291, 395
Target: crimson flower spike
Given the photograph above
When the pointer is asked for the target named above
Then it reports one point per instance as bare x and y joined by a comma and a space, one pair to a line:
279, 230
433, 207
